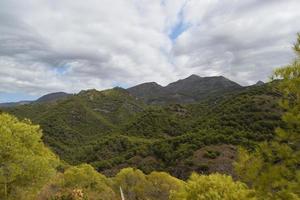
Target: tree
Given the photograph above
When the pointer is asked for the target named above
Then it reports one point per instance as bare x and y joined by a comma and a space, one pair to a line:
273, 169
25, 163
155, 186
160, 185
133, 183
213, 187
80, 182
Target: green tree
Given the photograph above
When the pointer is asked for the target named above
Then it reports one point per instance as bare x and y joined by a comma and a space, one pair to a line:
273, 169
133, 183
160, 184
80, 182
138, 186
213, 187
25, 163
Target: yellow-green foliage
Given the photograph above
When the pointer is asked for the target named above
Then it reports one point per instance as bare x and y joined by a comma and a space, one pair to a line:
83, 179
271, 170
213, 187
161, 184
138, 186
25, 163
83, 176
132, 181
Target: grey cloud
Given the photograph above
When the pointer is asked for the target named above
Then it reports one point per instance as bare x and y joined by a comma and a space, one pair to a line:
247, 37
67, 45
71, 46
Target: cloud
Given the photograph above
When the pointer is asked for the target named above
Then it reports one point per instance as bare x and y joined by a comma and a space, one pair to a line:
48, 46
243, 40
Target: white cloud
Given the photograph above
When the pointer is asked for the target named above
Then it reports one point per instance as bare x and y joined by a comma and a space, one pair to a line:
231, 38
48, 46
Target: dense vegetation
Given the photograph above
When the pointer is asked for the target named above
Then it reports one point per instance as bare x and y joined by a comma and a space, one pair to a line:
25, 163
112, 129
29, 171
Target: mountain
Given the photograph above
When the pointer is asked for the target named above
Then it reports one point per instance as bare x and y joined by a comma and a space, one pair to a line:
113, 129
51, 97
12, 104
188, 90
199, 88
145, 91
259, 83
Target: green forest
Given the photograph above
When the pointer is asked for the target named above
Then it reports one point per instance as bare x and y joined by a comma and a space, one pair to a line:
109, 145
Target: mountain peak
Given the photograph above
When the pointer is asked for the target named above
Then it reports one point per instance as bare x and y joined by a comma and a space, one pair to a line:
145, 86
193, 77
189, 89
145, 90
258, 83
52, 97
151, 84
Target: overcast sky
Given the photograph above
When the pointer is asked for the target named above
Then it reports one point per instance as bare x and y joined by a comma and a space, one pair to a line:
67, 45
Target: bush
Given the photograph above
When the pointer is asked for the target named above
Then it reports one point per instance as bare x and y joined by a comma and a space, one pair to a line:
203, 167
211, 154
213, 187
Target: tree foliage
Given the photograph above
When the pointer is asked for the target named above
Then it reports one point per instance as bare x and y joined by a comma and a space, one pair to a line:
138, 186
213, 187
79, 182
25, 163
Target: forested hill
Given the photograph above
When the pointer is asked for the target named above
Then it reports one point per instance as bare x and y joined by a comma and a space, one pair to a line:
112, 129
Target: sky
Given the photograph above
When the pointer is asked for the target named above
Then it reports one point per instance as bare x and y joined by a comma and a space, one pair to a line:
65, 45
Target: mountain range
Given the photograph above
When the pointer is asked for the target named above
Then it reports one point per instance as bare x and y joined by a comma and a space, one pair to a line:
194, 124
188, 90
191, 89
43, 99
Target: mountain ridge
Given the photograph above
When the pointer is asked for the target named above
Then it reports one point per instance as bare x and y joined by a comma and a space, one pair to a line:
50, 97
187, 90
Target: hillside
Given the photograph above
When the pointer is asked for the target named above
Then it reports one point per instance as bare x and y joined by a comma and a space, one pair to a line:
70, 124
113, 129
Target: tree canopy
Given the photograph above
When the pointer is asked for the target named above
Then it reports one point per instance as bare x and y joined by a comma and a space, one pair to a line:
25, 163
213, 187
